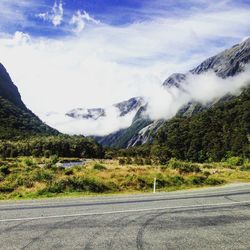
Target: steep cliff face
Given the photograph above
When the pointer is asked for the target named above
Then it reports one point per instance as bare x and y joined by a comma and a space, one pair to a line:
16, 120
227, 63
8, 90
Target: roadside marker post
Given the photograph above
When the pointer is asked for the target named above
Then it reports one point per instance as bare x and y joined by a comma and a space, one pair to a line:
154, 185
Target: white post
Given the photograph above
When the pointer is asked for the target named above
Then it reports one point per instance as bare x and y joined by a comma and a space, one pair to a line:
154, 184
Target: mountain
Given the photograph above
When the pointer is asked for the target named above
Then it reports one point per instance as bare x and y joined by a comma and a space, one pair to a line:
16, 120
123, 108
81, 113
219, 132
8, 90
226, 64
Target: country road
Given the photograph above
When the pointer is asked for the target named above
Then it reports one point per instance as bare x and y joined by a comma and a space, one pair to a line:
212, 218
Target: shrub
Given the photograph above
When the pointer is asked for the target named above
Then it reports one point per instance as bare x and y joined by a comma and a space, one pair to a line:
246, 167
69, 171
28, 162
7, 187
214, 181
122, 161
54, 159
42, 175
5, 170
183, 167
161, 182
197, 180
138, 161
235, 161
144, 182
206, 165
77, 184
148, 161
24, 180
129, 161
99, 167
176, 180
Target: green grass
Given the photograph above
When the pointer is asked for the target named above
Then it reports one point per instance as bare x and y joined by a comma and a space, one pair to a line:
29, 178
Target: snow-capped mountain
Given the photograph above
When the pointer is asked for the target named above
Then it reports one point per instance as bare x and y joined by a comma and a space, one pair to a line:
82, 113
122, 108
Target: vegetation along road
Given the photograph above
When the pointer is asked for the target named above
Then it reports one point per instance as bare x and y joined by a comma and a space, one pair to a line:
211, 218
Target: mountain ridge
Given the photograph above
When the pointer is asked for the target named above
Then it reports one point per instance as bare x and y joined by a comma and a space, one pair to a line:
227, 63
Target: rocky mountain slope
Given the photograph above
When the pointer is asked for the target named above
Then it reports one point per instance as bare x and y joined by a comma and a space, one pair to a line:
226, 64
16, 120
122, 108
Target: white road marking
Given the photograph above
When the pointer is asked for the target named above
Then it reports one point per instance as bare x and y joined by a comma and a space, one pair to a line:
123, 211
185, 194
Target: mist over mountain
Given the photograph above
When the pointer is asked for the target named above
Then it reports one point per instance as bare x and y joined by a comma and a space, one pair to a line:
122, 108
216, 80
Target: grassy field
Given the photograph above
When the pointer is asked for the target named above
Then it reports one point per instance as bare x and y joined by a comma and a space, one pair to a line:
25, 178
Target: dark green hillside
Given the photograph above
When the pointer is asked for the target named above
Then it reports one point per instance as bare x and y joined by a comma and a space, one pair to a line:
16, 120
222, 131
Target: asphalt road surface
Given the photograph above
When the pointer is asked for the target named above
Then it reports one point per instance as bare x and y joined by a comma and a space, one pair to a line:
214, 218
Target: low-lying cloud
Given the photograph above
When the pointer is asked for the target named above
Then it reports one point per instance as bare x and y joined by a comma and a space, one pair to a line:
98, 65
164, 102
107, 124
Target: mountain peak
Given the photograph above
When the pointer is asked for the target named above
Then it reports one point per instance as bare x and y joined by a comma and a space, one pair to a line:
8, 90
225, 64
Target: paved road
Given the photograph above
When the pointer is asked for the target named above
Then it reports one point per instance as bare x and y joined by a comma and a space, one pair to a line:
214, 218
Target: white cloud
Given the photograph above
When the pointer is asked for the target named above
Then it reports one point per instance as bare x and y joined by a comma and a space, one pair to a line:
106, 64
204, 88
21, 38
79, 19
55, 15
102, 126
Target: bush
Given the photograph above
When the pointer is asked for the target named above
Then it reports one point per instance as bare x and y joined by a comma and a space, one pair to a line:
197, 180
24, 180
69, 171
122, 161
148, 161
235, 161
78, 184
176, 180
99, 167
7, 187
28, 162
129, 161
246, 167
183, 167
5, 170
54, 159
144, 182
138, 161
42, 175
213, 181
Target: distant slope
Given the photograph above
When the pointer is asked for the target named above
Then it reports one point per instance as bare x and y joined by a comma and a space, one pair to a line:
16, 120
221, 131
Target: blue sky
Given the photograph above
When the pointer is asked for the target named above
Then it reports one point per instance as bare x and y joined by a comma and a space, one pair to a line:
23, 15
65, 54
